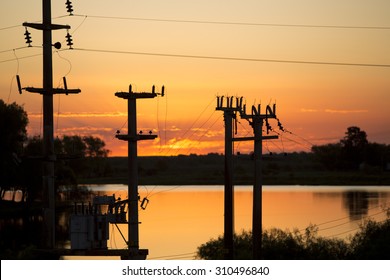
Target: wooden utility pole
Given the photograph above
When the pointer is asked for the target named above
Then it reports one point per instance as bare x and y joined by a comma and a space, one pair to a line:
229, 113
132, 138
47, 91
256, 119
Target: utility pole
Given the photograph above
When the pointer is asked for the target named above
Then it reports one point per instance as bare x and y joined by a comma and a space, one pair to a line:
229, 113
47, 92
132, 138
256, 119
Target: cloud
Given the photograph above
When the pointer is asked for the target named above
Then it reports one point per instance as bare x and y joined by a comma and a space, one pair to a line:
333, 111
305, 110
83, 115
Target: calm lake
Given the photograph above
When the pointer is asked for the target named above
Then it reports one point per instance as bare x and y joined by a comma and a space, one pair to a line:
180, 218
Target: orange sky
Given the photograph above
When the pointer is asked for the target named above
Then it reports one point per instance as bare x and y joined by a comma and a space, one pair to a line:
316, 102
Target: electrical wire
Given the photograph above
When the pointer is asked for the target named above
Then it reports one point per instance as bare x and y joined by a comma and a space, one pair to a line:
13, 77
248, 59
235, 23
344, 223
172, 257
192, 125
348, 231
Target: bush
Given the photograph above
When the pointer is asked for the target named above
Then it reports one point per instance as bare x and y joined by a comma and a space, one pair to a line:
371, 242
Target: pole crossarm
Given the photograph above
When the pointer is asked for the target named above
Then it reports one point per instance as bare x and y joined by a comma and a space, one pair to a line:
138, 95
229, 106
135, 95
268, 137
126, 137
42, 26
54, 90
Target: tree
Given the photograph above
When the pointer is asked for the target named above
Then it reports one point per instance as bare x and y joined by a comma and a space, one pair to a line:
354, 139
13, 132
354, 147
352, 151
95, 147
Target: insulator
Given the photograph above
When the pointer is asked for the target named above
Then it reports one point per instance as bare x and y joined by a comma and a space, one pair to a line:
69, 40
65, 85
162, 90
19, 84
69, 7
153, 89
27, 35
144, 203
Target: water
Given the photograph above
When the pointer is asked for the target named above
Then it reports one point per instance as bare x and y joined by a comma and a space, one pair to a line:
180, 218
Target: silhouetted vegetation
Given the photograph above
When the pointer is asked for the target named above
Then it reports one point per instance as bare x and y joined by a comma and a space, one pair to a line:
353, 152
278, 169
371, 242
21, 219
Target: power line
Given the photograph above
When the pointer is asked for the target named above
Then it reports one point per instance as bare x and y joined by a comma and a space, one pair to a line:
248, 59
184, 255
235, 58
237, 23
10, 27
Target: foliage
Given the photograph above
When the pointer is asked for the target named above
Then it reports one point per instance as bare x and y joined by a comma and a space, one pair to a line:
353, 152
371, 242
13, 123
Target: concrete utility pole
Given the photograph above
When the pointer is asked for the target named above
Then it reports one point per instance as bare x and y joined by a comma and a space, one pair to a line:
256, 119
132, 138
47, 91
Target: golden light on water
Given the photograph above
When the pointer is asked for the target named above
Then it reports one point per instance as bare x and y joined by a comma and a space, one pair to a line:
177, 221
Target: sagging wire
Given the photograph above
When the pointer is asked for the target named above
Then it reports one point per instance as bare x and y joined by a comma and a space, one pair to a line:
344, 223
59, 84
192, 125
13, 77
285, 131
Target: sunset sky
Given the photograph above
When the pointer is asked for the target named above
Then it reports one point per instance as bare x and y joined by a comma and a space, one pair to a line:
326, 65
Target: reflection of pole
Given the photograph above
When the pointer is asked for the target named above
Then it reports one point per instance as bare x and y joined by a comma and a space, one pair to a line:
257, 189
133, 232
48, 142
229, 217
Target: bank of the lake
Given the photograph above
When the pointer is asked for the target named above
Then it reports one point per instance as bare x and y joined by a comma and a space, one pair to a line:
291, 169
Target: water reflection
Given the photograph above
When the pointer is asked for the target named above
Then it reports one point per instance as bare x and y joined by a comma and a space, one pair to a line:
180, 218
358, 202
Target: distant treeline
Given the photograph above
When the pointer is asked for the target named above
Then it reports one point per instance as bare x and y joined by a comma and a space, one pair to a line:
351, 161
278, 169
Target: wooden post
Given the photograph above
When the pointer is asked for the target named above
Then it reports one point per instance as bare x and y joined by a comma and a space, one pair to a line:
229, 189
257, 188
48, 133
